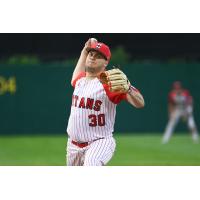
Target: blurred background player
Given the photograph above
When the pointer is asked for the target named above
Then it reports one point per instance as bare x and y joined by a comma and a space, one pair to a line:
180, 106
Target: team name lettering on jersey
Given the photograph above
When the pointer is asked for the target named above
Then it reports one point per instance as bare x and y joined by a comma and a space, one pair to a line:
86, 103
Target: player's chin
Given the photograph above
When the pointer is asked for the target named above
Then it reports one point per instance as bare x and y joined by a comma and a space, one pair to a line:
90, 69
91, 66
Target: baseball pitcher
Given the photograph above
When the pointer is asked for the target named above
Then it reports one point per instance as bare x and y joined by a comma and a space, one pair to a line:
180, 106
96, 95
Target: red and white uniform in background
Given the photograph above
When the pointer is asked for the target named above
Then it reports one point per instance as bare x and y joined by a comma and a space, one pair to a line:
182, 101
183, 108
91, 121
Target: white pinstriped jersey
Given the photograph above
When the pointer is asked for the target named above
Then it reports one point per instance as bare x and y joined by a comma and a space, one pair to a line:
93, 110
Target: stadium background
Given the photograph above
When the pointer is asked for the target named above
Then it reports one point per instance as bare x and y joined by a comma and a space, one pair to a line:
35, 95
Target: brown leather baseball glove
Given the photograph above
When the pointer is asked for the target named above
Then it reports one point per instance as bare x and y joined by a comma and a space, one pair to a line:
116, 79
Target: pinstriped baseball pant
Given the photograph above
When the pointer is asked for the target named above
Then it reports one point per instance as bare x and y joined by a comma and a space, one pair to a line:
174, 120
98, 153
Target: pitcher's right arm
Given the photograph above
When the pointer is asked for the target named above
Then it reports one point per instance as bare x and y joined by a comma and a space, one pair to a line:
80, 66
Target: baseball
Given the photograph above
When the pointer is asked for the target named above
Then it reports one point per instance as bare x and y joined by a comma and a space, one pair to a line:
93, 40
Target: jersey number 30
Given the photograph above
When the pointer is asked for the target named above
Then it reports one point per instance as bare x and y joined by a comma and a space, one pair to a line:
97, 120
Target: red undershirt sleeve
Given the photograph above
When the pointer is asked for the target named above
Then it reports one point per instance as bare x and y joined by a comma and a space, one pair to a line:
170, 98
80, 75
115, 97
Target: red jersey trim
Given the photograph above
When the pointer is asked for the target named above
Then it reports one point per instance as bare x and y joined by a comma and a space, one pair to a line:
185, 93
79, 76
114, 97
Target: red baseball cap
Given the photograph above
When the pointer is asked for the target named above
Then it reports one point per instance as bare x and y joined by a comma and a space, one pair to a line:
177, 85
101, 48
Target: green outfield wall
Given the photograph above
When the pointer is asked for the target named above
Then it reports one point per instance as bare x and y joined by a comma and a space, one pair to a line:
37, 98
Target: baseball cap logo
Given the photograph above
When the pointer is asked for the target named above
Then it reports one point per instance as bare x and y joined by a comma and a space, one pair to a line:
98, 46
102, 48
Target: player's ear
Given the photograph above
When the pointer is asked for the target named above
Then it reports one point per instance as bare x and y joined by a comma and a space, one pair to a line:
106, 64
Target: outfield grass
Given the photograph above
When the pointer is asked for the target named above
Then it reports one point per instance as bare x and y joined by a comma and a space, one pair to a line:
132, 150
